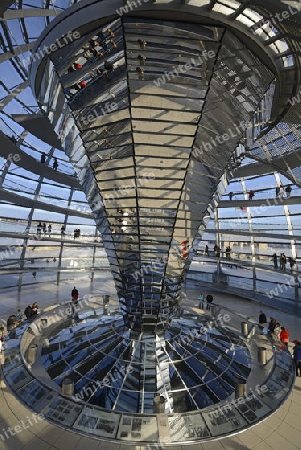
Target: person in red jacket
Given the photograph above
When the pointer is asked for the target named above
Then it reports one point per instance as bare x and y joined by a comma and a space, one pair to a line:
74, 295
284, 336
82, 84
251, 195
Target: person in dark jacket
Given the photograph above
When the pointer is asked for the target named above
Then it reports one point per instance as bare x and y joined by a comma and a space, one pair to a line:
74, 295
209, 300
28, 312
297, 358
262, 318
272, 324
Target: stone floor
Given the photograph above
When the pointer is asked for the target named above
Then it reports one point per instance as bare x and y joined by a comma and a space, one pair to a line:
19, 429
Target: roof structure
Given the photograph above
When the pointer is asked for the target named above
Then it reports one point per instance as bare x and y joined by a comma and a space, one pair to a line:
231, 31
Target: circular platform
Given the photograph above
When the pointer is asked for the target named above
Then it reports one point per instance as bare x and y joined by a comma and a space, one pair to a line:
187, 384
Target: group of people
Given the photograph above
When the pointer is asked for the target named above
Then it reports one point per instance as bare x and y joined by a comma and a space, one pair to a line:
217, 251
93, 51
76, 233
205, 301
31, 310
43, 161
43, 227
15, 319
279, 333
280, 190
283, 261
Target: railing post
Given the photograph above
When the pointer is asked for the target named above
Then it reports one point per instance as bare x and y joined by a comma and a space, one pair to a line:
68, 387
244, 328
262, 355
240, 388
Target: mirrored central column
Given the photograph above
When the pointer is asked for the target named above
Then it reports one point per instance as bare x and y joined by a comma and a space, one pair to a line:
140, 107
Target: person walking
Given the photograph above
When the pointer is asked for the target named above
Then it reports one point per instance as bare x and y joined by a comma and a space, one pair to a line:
34, 308
28, 312
74, 296
282, 261
202, 300
39, 229
297, 358
251, 194
284, 336
262, 319
288, 190
49, 229
11, 324
276, 332
272, 325
43, 158
209, 300
228, 252
2, 338
19, 315
55, 164
275, 259
292, 262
